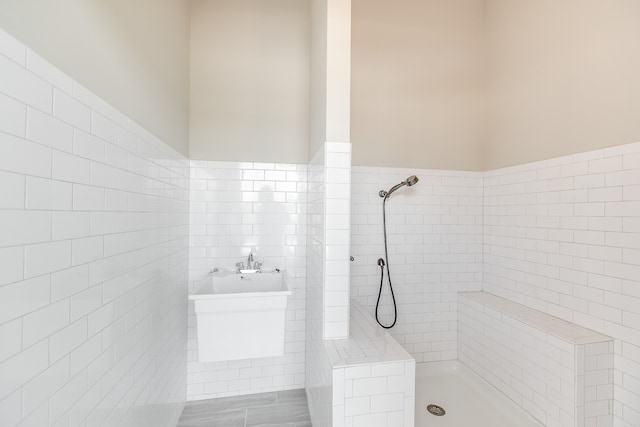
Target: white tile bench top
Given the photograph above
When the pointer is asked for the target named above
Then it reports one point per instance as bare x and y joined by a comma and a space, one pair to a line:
552, 325
368, 343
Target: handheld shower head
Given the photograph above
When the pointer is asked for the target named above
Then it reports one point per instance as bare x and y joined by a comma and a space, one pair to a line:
412, 180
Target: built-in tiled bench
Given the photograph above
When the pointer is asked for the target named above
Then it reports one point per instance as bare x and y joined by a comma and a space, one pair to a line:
373, 376
559, 372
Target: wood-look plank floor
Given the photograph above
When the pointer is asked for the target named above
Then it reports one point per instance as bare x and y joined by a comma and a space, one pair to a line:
275, 409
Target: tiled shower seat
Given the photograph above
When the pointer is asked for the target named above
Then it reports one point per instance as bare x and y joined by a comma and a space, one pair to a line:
559, 372
373, 376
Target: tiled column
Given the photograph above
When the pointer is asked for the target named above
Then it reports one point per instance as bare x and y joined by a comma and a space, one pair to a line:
337, 239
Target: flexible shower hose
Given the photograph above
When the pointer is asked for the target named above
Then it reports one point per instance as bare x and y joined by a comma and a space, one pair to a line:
381, 263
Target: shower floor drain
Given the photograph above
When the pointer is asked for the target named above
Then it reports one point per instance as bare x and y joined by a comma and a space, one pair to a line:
436, 410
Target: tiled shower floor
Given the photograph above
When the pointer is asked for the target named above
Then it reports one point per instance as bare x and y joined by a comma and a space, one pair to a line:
275, 409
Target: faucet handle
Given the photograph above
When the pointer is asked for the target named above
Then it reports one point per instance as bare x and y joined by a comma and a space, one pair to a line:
257, 265
240, 265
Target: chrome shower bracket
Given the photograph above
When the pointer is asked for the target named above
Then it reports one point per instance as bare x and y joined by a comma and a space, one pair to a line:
382, 193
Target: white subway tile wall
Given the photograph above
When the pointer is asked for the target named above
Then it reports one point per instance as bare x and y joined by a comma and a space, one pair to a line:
539, 361
595, 406
319, 373
435, 251
93, 257
337, 174
375, 395
563, 236
235, 209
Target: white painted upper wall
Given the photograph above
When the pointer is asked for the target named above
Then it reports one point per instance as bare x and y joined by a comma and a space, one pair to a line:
330, 112
250, 80
477, 85
318, 77
338, 70
134, 54
445, 84
417, 97
563, 77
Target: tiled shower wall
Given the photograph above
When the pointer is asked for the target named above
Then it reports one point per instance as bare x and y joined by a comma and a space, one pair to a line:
337, 238
435, 251
93, 257
319, 373
563, 236
237, 208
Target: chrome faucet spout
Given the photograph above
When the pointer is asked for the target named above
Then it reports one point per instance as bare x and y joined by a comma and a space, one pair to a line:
250, 261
